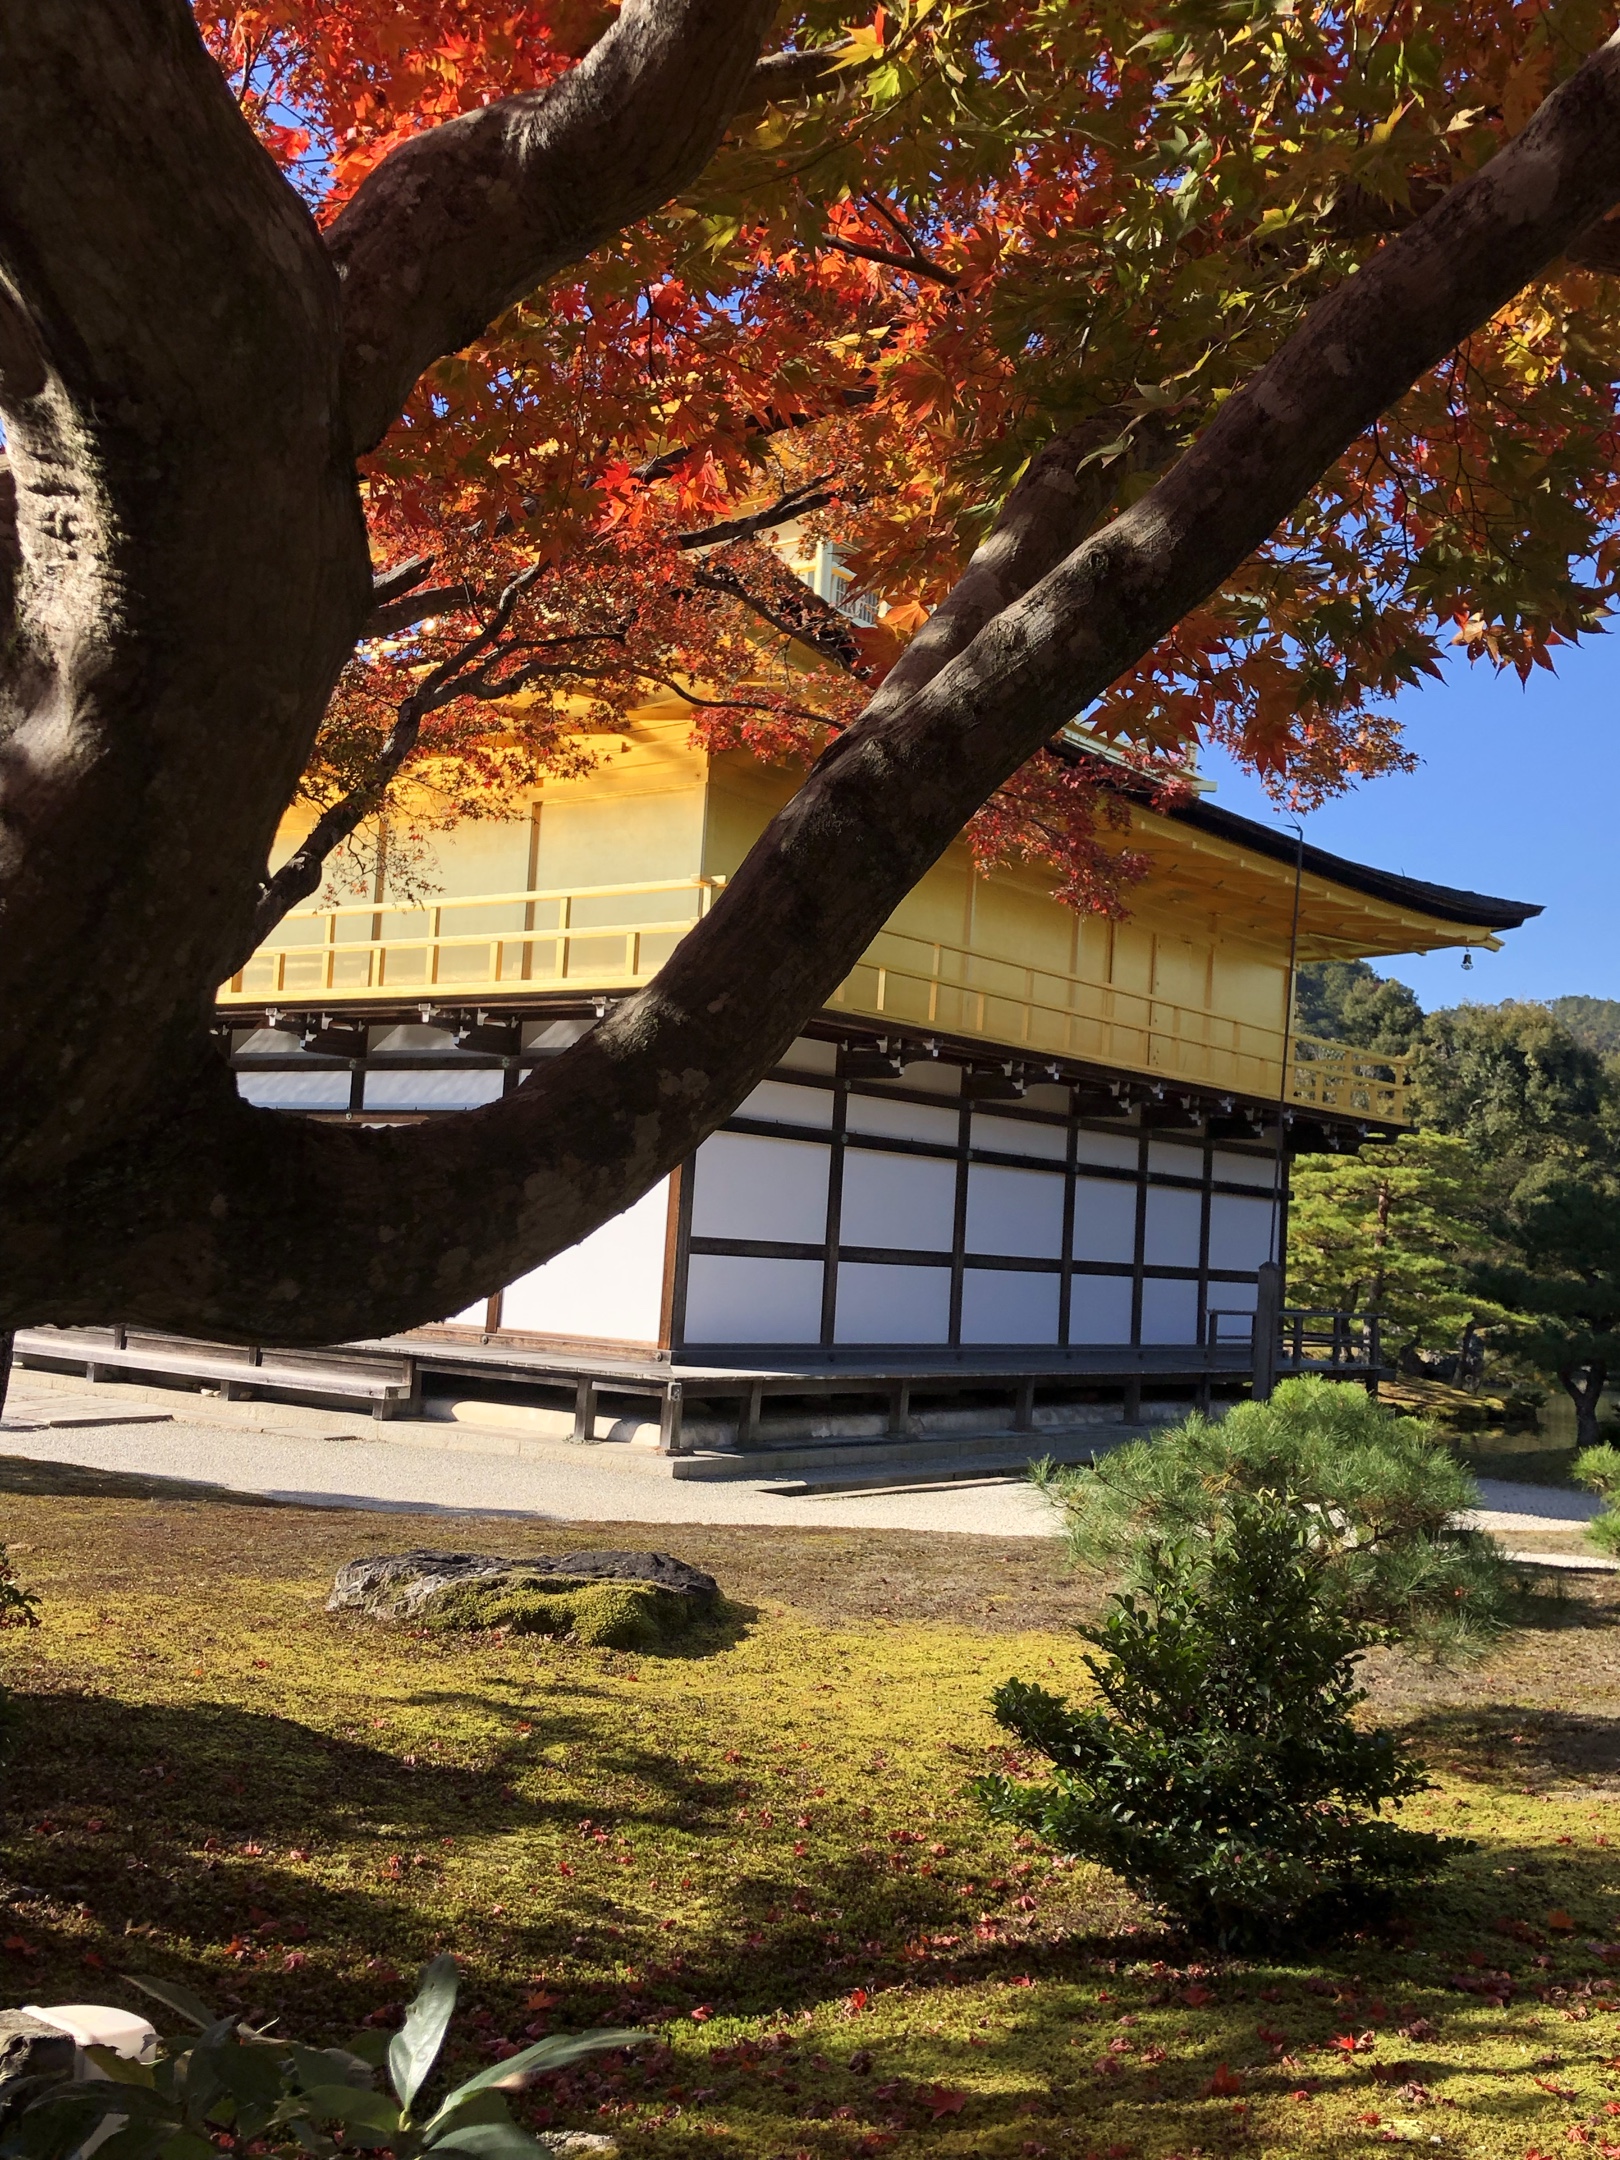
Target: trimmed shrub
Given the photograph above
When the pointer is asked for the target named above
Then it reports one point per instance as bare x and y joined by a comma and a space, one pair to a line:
1381, 1492
1223, 1776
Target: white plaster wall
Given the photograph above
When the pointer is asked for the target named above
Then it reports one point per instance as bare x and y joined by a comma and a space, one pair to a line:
906, 1202
295, 1090
1001, 1306
1100, 1309
1239, 1231
752, 1187
1104, 1224
765, 1301
432, 1090
1169, 1312
900, 1120
786, 1105
1169, 1158
891, 1303
1170, 1238
1244, 1169
1117, 1150
608, 1286
1016, 1214
1019, 1136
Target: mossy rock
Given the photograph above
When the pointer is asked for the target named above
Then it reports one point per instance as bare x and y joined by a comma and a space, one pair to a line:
607, 1615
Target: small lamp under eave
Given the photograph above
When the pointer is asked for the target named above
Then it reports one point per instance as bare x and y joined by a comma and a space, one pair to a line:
1468, 962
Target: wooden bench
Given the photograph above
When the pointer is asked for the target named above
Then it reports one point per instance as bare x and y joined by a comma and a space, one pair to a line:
391, 1387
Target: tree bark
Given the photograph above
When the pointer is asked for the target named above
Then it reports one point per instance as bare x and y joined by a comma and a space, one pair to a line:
196, 1211
1584, 1385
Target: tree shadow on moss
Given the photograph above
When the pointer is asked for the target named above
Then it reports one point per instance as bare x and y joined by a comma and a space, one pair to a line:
23, 1476
775, 1932
1517, 1746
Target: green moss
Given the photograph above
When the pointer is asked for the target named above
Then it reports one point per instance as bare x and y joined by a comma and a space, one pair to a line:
605, 1615
767, 1853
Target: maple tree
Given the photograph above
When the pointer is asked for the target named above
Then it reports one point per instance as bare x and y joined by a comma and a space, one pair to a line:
853, 311
1203, 375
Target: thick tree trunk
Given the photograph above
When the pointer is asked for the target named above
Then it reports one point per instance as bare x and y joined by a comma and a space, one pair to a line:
193, 570
1584, 1385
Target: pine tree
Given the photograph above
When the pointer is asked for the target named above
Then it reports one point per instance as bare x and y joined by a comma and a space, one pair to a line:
1394, 1231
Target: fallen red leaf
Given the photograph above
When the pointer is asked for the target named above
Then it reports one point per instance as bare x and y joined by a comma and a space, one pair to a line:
940, 2100
1560, 1922
1224, 2083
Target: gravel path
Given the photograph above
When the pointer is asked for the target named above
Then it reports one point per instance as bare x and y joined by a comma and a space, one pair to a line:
326, 1460
346, 1470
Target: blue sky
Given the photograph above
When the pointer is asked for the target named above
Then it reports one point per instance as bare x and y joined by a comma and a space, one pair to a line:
1518, 793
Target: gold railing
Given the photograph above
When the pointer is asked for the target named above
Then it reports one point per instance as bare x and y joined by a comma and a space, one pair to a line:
602, 937
616, 937
924, 983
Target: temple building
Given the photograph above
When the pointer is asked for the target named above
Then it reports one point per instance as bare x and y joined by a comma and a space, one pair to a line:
1017, 1139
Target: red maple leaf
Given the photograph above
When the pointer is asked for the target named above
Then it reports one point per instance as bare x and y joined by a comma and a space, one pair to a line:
941, 2100
1224, 2084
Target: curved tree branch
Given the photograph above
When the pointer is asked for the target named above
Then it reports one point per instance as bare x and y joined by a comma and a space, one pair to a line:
415, 1223
459, 223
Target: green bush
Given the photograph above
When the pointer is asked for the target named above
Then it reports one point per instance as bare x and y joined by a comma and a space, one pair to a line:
608, 1615
1598, 1469
1224, 1777
1380, 1492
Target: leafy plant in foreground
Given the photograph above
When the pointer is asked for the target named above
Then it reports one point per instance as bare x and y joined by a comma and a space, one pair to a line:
18, 1607
267, 2090
1381, 1492
1223, 1776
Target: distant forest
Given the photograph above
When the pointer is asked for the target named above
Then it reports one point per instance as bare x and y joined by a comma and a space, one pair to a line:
1347, 1001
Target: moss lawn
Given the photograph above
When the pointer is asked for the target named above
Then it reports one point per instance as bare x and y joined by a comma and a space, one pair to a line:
757, 1845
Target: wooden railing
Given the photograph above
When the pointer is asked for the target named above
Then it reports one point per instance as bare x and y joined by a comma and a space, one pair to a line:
606, 937
617, 937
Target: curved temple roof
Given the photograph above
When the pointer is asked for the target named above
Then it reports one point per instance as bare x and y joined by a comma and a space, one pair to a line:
1445, 902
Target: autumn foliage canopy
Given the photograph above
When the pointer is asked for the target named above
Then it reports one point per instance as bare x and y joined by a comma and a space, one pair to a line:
1009, 219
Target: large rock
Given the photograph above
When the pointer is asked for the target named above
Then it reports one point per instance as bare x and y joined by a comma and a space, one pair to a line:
30, 2050
399, 1586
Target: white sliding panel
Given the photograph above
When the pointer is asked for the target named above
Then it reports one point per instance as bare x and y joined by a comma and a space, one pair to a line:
1003, 1305
327, 1090
1239, 1231
1014, 1214
1169, 1312
904, 1202
880, 1303
609, 1287
1105, 1225
759, 1301
433, 1090
773, 1190
1173, 1222
1100, 1309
